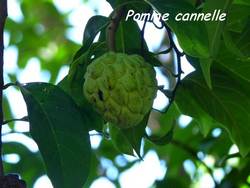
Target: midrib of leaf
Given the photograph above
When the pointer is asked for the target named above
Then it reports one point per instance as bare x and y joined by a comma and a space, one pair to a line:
235, 72
52, 131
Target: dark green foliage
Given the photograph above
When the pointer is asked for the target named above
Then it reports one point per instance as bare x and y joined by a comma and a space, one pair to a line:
216, 95
63, 142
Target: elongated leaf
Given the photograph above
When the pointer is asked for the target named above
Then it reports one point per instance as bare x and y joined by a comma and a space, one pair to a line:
120, 141
94, 25
135, 135
59, 130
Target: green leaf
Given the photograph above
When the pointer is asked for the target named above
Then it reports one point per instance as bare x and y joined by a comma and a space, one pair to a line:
168, 119
231, 45
59, 130
136, 5
204, 121
228, 103
238, 17
238, 66
192, 36
120, 141
242, 2
135, 135
74, 82
93, 27
92, 118
128, 38
214, 30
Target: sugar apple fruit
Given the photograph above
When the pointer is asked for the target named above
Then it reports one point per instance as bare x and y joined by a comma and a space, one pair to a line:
120, 87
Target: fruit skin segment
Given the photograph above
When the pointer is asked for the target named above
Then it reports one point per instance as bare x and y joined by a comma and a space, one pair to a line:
121, 87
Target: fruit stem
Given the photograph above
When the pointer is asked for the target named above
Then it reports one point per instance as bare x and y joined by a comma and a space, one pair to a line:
112, 28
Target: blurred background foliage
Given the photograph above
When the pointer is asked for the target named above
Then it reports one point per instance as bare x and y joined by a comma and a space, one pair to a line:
42, 33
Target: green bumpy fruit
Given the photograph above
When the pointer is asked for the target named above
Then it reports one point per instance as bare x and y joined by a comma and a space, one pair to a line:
121, 87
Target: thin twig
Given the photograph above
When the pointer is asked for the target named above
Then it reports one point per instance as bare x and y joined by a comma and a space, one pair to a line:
193, 154
9, 84
164, 51
99, 133
227, 157
3, 16
179, 54
25, 118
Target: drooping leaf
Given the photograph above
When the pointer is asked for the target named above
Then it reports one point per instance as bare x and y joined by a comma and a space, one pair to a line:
135, 135
120, 141
60, 132
93, 27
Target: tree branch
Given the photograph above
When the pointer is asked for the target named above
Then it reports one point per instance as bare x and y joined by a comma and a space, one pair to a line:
8, 85
179, 54
25, 118
3, 16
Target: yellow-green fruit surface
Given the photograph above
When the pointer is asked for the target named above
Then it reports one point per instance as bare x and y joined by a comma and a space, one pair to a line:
121, 87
